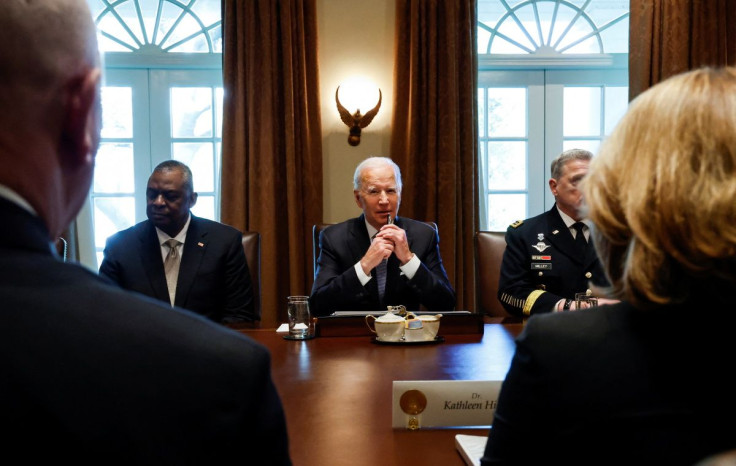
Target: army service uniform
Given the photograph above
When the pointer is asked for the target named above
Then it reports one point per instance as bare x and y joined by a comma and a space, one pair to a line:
540, 265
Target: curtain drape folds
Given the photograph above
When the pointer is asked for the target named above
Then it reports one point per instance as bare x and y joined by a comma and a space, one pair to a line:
272, 139
667, 37
434, 135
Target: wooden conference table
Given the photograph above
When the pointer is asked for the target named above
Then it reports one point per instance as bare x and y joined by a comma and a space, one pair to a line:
337, 393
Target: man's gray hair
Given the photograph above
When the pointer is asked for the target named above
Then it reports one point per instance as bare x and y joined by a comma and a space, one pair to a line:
570, 154
375, 162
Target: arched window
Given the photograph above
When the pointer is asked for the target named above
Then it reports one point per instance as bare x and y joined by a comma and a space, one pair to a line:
192, 26
552, 75
161, 99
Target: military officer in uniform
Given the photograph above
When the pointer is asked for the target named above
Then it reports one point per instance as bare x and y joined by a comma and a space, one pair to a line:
549, 257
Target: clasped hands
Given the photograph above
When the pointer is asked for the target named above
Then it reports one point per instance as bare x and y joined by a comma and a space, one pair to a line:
390, 239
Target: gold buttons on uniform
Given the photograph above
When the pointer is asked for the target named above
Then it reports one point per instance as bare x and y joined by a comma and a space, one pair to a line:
541, 273
588, 274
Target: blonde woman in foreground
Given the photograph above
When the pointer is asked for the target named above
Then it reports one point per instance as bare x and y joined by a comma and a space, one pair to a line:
645, 381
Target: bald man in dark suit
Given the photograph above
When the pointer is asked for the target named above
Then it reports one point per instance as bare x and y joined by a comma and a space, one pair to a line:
91, 373
213, 277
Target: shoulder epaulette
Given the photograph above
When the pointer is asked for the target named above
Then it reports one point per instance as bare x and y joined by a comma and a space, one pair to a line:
517, 223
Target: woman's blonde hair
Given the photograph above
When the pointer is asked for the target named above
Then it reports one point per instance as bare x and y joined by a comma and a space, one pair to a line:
662, 191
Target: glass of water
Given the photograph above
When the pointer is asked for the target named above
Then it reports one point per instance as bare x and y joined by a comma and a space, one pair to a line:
301, 326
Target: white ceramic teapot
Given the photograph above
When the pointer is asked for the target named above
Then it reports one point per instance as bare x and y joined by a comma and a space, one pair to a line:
388, 327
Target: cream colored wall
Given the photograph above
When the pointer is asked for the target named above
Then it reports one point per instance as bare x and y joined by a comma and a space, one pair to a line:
356, 39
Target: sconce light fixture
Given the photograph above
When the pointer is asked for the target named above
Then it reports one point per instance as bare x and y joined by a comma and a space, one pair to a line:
356, 121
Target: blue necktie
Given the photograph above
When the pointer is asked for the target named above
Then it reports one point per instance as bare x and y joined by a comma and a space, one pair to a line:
381, 278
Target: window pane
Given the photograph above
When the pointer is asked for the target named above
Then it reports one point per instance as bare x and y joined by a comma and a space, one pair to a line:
591, 145
504, 209
191, 112
512, 30
108, 45
589, 45
216, 38
481, 113
507, 165
200, 159
111, 25
507, 112
208, 11
582, 111
128, 12
197, 44
117, 112
218, 111
218, 158
616, 38
114, 168
616, 104
112, 214
546, 13
205, 207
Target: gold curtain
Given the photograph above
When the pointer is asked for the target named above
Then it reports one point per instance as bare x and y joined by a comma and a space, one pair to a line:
434, 136
272, 139
667, 37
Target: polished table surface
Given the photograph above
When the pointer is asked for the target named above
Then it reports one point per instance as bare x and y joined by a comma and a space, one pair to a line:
337, 393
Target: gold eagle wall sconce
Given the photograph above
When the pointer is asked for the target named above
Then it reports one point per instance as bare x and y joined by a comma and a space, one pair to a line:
356, 121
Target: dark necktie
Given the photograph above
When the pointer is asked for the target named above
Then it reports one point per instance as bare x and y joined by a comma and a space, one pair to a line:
581, 244
381, 277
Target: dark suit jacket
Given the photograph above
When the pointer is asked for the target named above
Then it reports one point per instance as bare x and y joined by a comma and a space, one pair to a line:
95, 374
337, 286
616, 385
553, 266
213, 277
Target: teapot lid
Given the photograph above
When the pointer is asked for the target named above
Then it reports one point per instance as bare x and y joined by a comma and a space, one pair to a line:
390, 317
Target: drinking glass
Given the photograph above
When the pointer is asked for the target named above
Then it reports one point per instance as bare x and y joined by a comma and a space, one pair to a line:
301, 326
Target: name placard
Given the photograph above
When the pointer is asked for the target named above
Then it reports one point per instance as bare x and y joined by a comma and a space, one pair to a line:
421, 404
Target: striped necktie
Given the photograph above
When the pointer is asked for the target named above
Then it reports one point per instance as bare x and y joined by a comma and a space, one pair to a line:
381, 276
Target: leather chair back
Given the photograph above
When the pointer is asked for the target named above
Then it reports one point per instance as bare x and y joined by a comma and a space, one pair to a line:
252, 249
489, 249
316, 230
